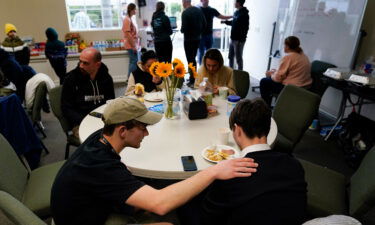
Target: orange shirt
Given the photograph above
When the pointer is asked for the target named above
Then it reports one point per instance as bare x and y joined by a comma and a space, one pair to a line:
294, 69
130, 34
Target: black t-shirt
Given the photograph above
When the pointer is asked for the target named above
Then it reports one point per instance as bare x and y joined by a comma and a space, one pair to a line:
209, 14
92, 184
275, 194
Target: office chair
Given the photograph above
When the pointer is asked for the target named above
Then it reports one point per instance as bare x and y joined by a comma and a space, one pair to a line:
33, 188
55, 100
330, 192
293, 113
35, 111
317, 69
17, 212
241, 80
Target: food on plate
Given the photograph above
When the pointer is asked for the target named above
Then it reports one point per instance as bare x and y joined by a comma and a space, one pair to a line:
220, 155
139, 89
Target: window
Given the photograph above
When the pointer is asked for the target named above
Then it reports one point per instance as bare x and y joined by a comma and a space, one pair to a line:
96, 14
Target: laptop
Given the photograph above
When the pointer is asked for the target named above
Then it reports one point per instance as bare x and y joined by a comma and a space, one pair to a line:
173, 21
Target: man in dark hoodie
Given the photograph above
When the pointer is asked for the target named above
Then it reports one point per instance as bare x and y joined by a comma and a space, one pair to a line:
15, 46
56, 53
15, 73
162, 30
240, 26
85, 88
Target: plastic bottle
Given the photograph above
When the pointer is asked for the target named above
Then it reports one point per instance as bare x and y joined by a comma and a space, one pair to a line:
231, 103
205, 88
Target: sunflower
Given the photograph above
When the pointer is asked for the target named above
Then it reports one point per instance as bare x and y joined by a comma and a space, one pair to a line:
164, 69
153, 67
192, 70
179, 70
177, 62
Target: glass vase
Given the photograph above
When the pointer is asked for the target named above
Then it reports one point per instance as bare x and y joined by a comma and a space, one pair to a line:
172, 109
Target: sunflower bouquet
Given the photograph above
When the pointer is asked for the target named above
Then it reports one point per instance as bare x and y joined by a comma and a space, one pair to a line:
172, 75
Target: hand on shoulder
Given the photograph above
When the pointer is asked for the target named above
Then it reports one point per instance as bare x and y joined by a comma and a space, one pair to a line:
240, 167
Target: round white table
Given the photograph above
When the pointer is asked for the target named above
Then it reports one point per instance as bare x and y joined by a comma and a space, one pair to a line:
160, 153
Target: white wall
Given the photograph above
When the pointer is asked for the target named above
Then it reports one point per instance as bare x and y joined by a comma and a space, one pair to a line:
262, 15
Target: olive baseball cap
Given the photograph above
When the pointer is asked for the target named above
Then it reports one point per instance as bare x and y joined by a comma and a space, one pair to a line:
123, 109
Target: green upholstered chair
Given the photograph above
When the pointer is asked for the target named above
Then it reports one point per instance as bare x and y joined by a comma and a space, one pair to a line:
35, 113
294, 111
55, 100
317, 70
17, 212
241, 80
330, 193
33, 188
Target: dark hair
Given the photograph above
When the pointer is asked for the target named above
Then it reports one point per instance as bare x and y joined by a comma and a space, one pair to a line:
131, 7
241, 2
254, 116
213, 54
109, 129
293, 43
160, 6
146, 55
97, 56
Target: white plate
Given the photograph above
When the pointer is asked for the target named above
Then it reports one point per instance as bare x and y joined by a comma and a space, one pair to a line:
219, 148
154, 97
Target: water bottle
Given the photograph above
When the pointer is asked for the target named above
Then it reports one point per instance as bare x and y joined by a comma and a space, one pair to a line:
205, 88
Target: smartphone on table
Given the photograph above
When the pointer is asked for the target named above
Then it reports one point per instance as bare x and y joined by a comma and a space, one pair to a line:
188, 163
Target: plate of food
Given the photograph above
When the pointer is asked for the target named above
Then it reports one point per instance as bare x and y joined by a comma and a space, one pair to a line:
218, 153
154, 97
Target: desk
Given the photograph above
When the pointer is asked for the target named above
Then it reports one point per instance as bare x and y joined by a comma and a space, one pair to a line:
160, 153
349, 88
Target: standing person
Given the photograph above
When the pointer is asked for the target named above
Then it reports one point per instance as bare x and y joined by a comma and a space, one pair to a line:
162, 30
131, 37
207, 38
85, 88
15, 46
240, 26
94, 182
56, 53
193, 24
294, 69
276, 194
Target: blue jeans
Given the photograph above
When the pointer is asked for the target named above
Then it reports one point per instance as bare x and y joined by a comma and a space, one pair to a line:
133, 59
236, 50
204, 45
268, 87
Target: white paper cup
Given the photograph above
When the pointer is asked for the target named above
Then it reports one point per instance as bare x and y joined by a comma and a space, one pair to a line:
223, 92
224, 136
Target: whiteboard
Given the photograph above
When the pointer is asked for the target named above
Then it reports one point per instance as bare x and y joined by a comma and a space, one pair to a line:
328, 29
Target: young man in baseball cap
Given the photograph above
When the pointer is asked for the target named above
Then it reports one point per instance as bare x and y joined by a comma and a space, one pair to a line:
94, 183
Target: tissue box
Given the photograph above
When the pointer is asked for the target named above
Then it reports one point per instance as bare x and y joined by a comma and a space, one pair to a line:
194, 108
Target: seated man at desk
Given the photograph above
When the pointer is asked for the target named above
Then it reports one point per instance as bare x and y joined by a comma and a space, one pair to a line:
142, 75
85, 88
218, 74
93, 183
276, 194
294, 69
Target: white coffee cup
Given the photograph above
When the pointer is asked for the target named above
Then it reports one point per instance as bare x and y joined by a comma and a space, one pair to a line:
224, 135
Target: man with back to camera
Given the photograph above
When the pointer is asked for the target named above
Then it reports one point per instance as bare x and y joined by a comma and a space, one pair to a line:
218, 74
275, 195
94, 182
238, 34
193, 24
85, 88
207, 38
